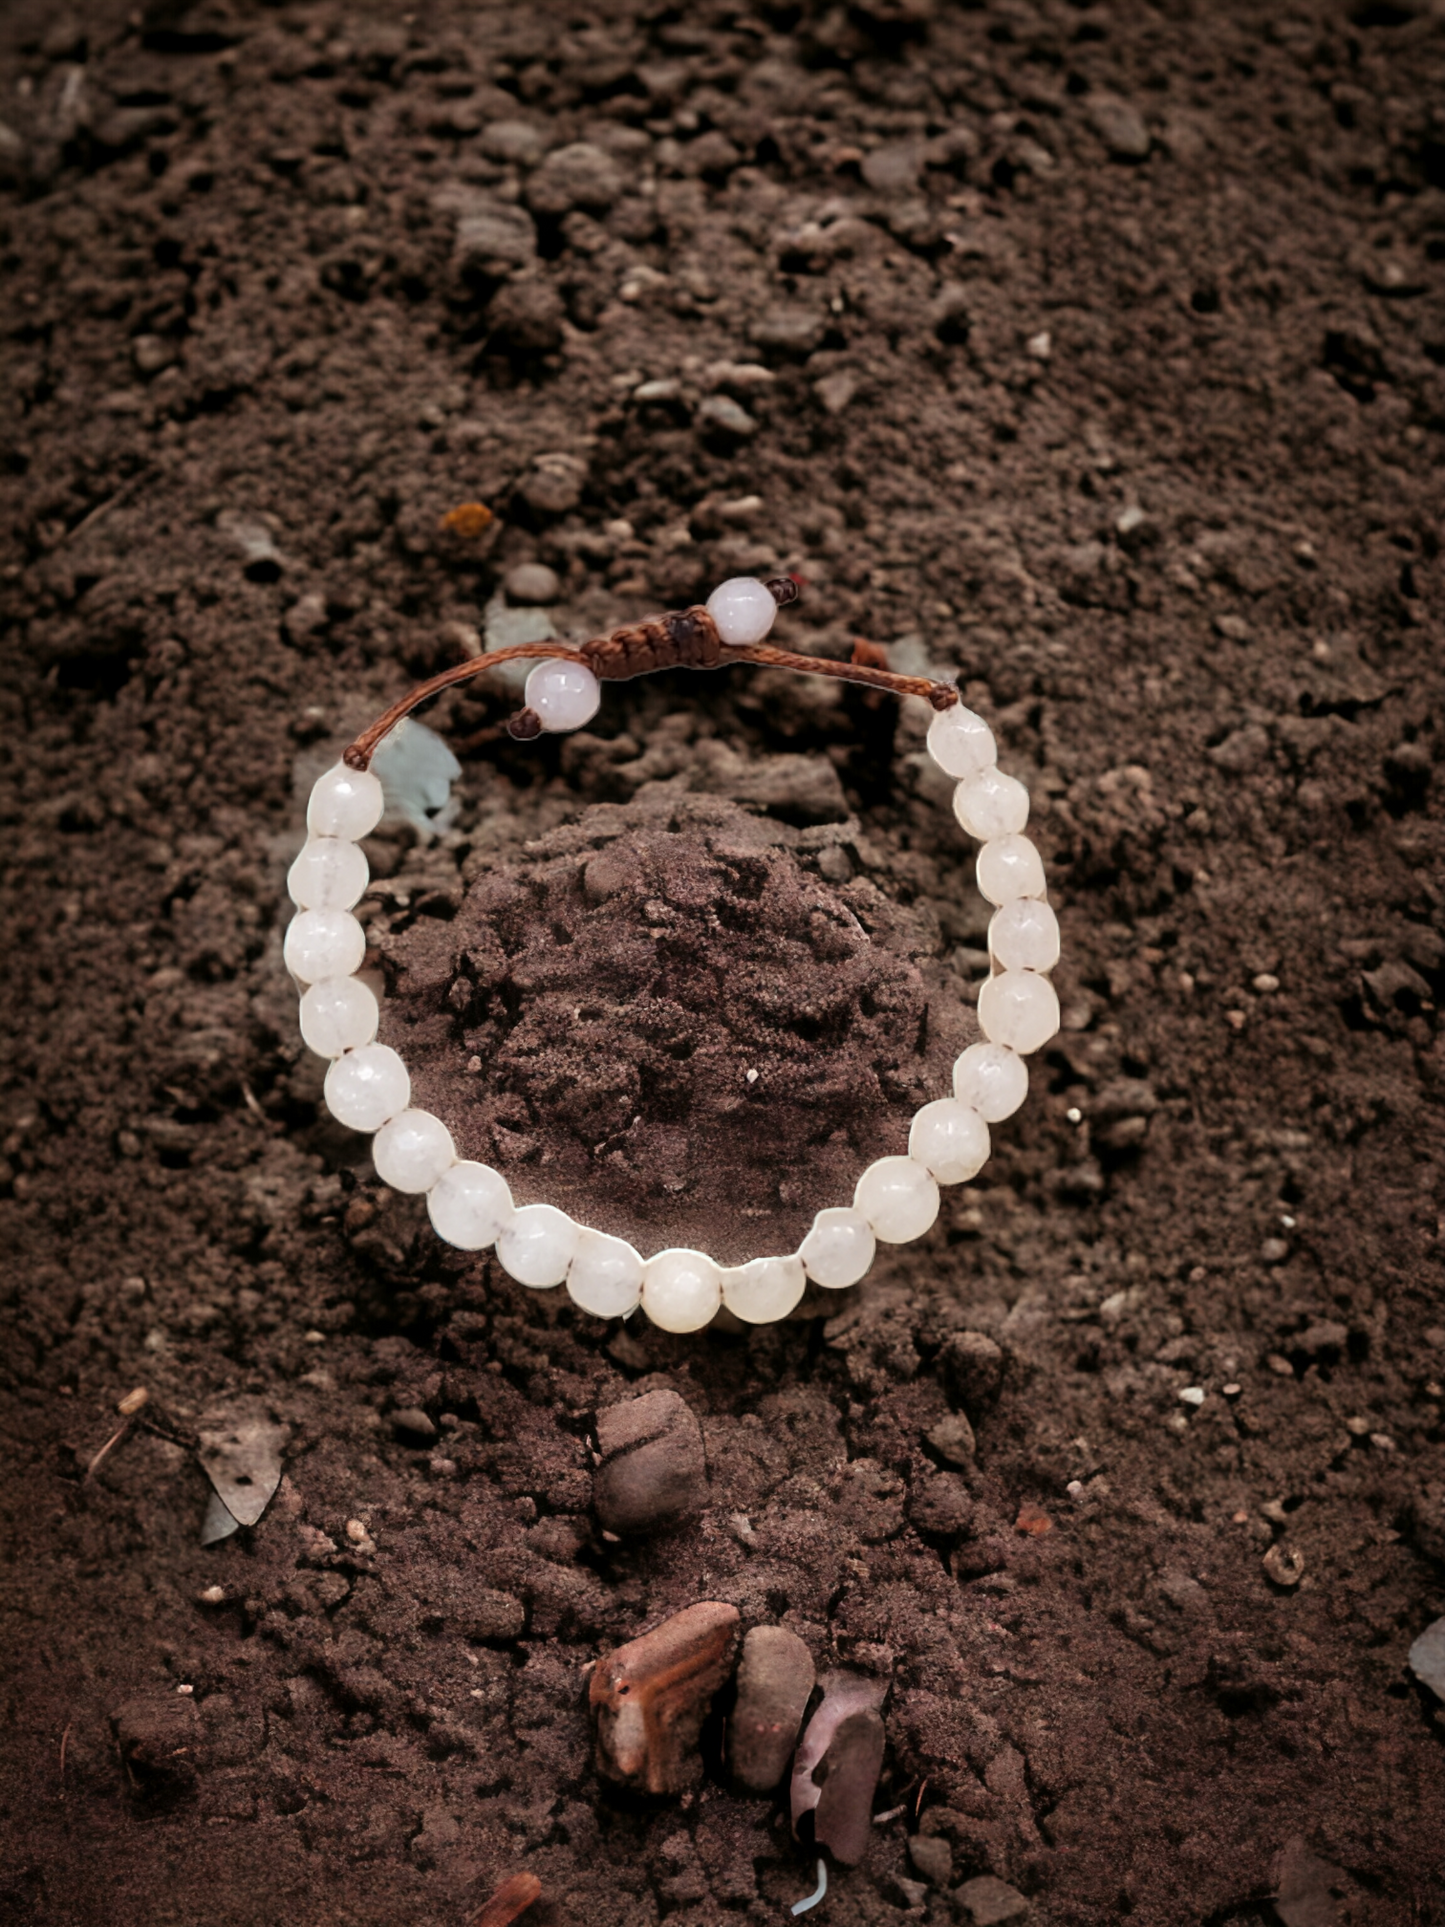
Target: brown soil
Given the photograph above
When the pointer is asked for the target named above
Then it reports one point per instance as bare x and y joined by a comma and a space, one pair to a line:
1104, 360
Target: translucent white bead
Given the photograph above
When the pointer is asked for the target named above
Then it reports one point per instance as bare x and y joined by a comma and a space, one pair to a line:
1024, 936
605, 1275
329, 874
950, 1140
536, 1245
1010, 867
898, 1198
765, 1290
411, 1152
961, 743
338, 1015
991, 1080
323, 943
564, 694
681, 1290
345, 802
1018, 1008
991, 804
839, 1248
366, 1087
469, 1205
743, 610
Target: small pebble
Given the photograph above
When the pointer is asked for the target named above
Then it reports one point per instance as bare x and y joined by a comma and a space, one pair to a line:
933, 1858
532, 582
986, 1901
213, 1596
1427, 1658
653, 1466
952, 1439
721, 415
412, 1423
775, 1678
1192, 1395
651, 1696
1120, 126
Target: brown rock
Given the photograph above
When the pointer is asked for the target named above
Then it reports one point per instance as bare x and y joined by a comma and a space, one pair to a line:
775, 1678
651, 1697
987, 1901
952, 1439
933, 1858
653, 1467
973, 1367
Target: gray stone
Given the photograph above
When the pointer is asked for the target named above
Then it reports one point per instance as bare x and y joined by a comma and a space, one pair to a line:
515, 141
554, 486
653, 1467
775, 1677
532, 582
1120, 126
1242, 750
579, 175
1427, 1658
1307, 1889
724, 416
894, 168
788, 331
933, 1858
493, 237
988, 1900
952, 1439
412, 1422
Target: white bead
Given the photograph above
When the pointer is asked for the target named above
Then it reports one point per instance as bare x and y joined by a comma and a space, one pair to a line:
345, 802
743, 610
536, 1246
412, 1151
839, 1248
1010, 867
950, 1140
469, 1205
1024, 936
564, 694
765, 1290
991, 1080
329, 874
338, 1015
681, 1290
366, 1087
1018, 1008
961, 743
605, 1275
991, 804
323, 943
898, 1198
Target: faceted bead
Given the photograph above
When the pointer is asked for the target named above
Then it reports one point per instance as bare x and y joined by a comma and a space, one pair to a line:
329, 874
469, 1205
839, 1248
762, 1292
564, 694
991, 804
898, 1198
961, 743
605, 1276
536, 1247
345, 802
1024, 936
323, 943
337, 1015
681, 1290
412, 1151
950, 1140
991, 1080
1010, 867
366, 1087
743, 610
1018, 1008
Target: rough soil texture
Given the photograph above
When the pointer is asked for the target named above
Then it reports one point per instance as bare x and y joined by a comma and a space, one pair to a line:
1095, 355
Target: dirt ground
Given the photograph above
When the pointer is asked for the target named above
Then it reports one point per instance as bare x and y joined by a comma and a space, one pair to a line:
1095, 354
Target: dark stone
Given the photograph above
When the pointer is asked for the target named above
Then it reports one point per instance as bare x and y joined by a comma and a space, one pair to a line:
653, 1467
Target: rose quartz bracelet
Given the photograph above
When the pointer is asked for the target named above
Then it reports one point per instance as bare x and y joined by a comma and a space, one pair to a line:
896, 1199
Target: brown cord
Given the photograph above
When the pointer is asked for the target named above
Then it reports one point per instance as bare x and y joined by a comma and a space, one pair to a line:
682, 639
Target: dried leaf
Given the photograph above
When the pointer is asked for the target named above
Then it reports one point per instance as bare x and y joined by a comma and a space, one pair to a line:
240, 1453
843, 1695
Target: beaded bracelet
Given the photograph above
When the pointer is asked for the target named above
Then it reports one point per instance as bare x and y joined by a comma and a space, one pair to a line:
368, 1087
